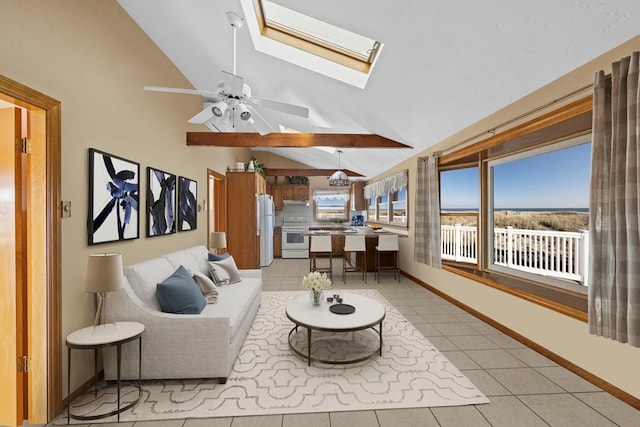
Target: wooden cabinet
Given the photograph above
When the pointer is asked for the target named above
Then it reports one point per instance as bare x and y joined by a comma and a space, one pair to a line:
277, 242
337, 245
243, 242
282, 192
358, 203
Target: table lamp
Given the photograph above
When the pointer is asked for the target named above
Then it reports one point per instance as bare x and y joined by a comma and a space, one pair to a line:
218, 240
104, 274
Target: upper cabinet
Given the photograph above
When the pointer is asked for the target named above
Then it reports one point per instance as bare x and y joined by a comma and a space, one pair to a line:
282, 192
357, 196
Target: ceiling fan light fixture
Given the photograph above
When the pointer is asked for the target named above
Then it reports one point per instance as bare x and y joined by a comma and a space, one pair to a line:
245, 114
339, 178
219, 108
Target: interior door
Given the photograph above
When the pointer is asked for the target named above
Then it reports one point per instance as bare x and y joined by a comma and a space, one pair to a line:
11, 292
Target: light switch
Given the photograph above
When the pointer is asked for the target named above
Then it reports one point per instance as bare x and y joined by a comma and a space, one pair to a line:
66, 208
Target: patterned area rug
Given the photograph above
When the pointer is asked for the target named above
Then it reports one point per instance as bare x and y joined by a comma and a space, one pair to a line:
269, 379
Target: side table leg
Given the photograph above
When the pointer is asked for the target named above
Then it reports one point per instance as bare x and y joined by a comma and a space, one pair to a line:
140, 366
380, 334
118, 357
69, 385
95, 373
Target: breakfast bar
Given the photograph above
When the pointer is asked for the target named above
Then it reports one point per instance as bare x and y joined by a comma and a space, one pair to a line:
338, 233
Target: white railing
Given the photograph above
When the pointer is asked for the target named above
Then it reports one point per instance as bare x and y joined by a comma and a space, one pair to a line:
564, 255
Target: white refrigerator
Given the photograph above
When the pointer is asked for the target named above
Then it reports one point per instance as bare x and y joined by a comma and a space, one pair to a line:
267, 219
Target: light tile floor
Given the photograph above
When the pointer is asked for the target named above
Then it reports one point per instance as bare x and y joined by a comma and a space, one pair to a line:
525, 388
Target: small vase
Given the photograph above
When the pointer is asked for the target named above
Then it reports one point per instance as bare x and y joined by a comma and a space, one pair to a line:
316, 297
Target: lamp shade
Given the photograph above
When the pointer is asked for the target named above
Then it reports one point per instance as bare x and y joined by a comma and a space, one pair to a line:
104, 273
218, 240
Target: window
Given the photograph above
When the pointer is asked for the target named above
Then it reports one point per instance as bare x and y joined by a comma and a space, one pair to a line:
330, 205
515, 209
538, 213
388, 200
311, 43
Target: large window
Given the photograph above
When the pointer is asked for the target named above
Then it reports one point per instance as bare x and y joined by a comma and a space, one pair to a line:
515, 209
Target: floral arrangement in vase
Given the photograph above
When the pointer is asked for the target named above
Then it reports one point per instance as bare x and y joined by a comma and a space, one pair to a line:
316, 282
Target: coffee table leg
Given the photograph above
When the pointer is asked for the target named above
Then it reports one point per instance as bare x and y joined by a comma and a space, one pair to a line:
309, 346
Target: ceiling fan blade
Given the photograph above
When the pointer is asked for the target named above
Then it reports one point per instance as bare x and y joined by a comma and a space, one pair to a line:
234, 84
205, 93
259, 123
203, 116
280, 106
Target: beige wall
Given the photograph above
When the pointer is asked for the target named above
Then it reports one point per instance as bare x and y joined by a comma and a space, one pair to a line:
567, 337
94, 59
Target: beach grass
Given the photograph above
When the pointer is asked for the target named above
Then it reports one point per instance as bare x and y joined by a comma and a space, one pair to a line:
526, 220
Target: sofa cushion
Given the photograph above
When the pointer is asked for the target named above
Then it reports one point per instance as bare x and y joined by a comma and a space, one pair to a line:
180, 294
208, 288
223, 269
185, 258
144, 277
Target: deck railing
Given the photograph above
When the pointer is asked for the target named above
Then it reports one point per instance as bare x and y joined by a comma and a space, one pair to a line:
559, 254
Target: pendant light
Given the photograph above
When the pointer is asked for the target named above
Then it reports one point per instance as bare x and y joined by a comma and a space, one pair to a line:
339, 178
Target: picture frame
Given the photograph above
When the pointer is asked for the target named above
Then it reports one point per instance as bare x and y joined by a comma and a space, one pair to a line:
161, 202
113, 198
187, 204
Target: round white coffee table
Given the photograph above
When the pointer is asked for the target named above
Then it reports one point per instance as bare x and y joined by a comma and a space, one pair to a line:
368, 314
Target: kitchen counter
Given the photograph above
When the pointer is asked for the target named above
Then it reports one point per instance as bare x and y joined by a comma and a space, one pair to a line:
337, 234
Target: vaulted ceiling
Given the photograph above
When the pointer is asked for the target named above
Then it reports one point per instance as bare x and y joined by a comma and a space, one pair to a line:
445, 64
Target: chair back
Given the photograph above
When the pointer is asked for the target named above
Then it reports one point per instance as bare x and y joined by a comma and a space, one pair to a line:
354, 244
320, 244
388, 242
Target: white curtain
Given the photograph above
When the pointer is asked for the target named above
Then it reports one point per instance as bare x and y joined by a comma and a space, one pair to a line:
427, 241
386, 185
614, 206
322, 194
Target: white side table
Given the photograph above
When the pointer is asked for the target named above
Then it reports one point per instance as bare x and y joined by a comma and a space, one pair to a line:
95, 338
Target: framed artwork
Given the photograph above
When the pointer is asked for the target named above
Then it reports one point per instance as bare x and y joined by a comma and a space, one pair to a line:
187, 204
161, 202
113, 198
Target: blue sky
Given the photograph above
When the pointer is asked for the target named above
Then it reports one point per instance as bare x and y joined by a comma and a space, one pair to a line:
559, 179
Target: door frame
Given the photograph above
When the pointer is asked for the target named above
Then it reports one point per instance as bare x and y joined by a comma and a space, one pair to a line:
216, 203
27, 98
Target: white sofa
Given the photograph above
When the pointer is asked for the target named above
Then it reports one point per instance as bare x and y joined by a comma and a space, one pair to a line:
203, 345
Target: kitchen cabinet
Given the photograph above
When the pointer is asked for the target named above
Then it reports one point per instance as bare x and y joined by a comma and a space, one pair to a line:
277, 242
282, 192
243, 241
337, 245
358, 202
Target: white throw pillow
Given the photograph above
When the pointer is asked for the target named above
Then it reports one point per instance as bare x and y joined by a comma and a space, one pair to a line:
224, 270
208, 288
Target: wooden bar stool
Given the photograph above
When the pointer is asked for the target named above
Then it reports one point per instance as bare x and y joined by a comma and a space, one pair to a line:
354, 244
320, 246
388, 243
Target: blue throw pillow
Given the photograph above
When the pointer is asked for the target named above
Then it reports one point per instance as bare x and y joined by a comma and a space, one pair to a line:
180, 294
216, 257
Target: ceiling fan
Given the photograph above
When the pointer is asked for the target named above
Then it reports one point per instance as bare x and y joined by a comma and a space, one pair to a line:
232, 102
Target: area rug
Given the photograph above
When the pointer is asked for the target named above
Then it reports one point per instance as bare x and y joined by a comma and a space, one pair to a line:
269, 379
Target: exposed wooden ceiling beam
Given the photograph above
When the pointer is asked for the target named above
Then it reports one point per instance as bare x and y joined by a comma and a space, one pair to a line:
306, 172
300, 140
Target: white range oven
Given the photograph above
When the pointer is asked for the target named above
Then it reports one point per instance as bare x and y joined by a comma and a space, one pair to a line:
295, 241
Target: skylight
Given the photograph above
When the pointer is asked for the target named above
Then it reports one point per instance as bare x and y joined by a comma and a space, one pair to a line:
311, 43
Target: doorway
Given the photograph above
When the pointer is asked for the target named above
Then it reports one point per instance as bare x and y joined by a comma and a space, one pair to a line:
217, 203
30, 314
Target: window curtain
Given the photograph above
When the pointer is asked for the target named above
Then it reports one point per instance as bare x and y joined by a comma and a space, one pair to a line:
427, 241
614, 257
323, 194
386, 185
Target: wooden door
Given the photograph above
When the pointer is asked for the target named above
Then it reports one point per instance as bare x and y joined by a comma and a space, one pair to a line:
25, 358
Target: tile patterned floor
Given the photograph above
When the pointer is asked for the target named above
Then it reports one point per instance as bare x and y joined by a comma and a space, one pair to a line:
525, 388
